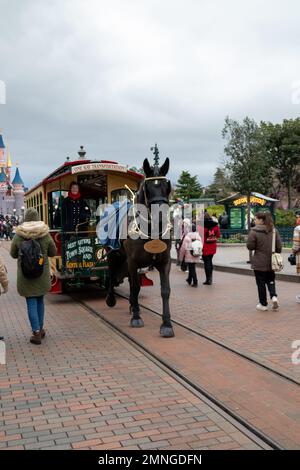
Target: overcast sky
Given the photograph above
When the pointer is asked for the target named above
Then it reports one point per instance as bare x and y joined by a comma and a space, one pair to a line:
119, 75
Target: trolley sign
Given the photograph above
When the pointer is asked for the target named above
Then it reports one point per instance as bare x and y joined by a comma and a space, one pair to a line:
80, 253
98, 166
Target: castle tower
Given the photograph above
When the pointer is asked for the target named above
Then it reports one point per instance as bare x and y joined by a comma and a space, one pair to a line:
3, 191
2, 147
8, 165
18, 192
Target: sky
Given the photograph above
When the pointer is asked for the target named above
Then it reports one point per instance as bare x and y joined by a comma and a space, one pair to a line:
117, 76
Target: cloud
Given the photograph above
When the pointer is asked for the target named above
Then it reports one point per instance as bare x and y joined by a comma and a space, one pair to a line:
118, 76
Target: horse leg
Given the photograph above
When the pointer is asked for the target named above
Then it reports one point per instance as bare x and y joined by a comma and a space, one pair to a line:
136, 321
166, 329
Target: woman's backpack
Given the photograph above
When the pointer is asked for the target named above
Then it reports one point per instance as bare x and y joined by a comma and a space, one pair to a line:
31, 258
196, 248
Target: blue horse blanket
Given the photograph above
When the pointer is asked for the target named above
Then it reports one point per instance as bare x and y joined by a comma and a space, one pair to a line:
112, 227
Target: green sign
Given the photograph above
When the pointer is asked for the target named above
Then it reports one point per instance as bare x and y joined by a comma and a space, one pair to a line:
80, 253
235, 218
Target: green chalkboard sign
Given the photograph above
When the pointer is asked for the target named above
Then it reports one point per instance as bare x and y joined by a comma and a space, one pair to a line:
236, 217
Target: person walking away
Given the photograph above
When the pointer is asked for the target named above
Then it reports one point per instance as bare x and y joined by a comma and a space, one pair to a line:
211, 235
260, 240
33, 279
3, 282
190, 251
296, 247
224, 224
177, 223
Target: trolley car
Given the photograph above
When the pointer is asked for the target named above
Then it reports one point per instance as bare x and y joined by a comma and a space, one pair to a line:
80, 256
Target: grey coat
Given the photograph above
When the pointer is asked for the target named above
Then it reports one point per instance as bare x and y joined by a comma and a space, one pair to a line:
260, 241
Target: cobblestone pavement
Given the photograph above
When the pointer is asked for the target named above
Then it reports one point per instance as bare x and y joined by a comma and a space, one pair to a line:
87, 388
226, 311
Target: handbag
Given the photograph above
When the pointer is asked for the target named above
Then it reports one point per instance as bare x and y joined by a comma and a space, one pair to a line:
277, 260
292, 259
183, 265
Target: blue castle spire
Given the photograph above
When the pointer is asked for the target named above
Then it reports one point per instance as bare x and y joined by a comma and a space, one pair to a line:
2, 146
17, 179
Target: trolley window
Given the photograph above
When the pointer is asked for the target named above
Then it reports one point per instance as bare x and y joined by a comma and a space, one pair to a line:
121, 193
54, 208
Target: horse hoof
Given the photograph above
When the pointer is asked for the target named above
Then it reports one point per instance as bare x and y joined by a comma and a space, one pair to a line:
137, 323
166, 332
111, 300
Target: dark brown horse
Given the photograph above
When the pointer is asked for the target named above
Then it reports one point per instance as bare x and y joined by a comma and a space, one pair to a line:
154, 190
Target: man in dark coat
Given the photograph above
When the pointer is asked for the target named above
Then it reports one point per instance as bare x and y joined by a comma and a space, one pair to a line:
75, 211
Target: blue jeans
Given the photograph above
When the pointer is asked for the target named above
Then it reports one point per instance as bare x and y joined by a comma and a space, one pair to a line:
36, 310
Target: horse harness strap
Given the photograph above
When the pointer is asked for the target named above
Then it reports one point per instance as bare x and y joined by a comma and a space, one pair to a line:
135, 229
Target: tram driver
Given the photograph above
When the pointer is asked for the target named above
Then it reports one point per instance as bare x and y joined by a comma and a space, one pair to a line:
75, 211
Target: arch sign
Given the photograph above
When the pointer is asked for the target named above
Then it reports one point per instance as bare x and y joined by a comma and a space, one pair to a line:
98, 166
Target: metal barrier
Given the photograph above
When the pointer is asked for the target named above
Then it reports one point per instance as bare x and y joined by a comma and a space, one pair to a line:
240, 236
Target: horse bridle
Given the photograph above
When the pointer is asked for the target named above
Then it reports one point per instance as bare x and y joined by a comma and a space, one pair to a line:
148, 202
136, 228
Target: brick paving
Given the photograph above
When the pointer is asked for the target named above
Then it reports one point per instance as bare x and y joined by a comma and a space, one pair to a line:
226, 312
87, 388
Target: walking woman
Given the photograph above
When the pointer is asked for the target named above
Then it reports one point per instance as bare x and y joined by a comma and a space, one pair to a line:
211, 235
190, 252
296, 247
3, 281
260, 240
34, 288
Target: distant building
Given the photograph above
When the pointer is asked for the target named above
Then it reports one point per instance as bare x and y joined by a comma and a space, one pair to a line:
11, 192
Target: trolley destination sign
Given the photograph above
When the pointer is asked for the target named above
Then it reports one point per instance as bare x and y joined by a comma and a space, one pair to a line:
80, 254
98, 166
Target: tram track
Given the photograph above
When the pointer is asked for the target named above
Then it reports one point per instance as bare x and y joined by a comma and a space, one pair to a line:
256, 435
220, 343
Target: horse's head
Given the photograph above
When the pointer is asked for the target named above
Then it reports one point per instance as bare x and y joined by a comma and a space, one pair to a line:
156, 187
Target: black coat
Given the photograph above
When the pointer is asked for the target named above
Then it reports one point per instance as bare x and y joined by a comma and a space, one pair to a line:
75, 212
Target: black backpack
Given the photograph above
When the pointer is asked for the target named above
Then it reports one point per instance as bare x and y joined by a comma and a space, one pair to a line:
32, 259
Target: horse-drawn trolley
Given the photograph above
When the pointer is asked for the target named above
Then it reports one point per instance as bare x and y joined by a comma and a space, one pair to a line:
73, 218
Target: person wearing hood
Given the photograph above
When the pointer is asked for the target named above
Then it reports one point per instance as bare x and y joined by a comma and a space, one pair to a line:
260, 241
211, 235
35, 289
191, 255
75, 211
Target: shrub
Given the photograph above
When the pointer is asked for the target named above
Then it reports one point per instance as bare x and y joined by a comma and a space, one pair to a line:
218, 210
285, 218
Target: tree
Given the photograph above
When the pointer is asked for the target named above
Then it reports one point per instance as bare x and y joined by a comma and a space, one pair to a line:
248, 164
221, 185
188, 187
283, 141
137, 170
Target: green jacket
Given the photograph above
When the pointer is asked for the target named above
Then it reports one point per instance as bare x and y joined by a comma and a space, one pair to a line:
37, 231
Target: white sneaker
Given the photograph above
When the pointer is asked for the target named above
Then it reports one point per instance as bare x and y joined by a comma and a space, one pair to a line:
298, 298
275, 303
261, 307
